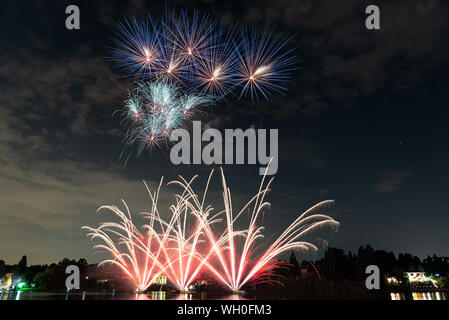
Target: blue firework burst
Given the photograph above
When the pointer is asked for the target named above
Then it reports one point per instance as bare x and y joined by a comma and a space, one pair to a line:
185, 61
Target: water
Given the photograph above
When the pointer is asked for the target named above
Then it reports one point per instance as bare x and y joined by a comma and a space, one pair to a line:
162, 295
420, 296
157, 295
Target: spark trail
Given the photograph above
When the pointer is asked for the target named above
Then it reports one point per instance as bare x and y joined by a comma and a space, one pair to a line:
189, 242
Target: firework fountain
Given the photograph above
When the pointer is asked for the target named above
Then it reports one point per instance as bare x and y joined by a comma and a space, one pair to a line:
194, 240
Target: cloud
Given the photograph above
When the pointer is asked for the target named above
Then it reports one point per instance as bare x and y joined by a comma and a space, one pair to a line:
323, 192
391, 181
46, 198
341, 60
51, 185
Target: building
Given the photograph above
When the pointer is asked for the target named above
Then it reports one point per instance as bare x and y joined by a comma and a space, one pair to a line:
161, 280
6, 281
416, 277
420, 277
392, 280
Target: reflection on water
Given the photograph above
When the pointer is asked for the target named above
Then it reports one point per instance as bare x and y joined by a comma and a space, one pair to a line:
235, 297
429, 296
397, 296
155, 295
184, 296
158, 295
13, 295
162, 295
420, 296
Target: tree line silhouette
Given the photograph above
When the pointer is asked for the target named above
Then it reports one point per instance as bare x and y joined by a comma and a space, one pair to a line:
335, 275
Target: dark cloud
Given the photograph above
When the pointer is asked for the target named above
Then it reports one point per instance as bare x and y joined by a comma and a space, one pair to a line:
391, 181
341, 60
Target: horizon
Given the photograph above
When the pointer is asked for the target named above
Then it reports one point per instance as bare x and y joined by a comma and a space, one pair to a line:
363, 122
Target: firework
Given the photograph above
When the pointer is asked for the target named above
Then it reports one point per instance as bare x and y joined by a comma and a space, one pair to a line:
216, 72
137, 48
129, 248
202, 55
191, 37
236, 265
153, 109
161, 247
188, 243
264, 64
193, 54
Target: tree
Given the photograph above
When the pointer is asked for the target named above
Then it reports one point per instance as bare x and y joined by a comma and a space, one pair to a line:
335, 264
43, 279
2, 268
23, 263
82, 262
294, 264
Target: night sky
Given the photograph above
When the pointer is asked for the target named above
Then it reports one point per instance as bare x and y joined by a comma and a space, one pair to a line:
365, 123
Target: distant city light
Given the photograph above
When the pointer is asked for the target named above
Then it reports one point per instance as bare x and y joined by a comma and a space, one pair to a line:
420, 277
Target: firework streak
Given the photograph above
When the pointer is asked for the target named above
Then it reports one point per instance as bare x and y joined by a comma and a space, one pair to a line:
194, 240
187, 62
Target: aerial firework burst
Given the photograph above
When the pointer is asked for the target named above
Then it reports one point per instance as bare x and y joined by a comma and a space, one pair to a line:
264, 64
154, 109
192, 49
193, 54
137, 48
189, 242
